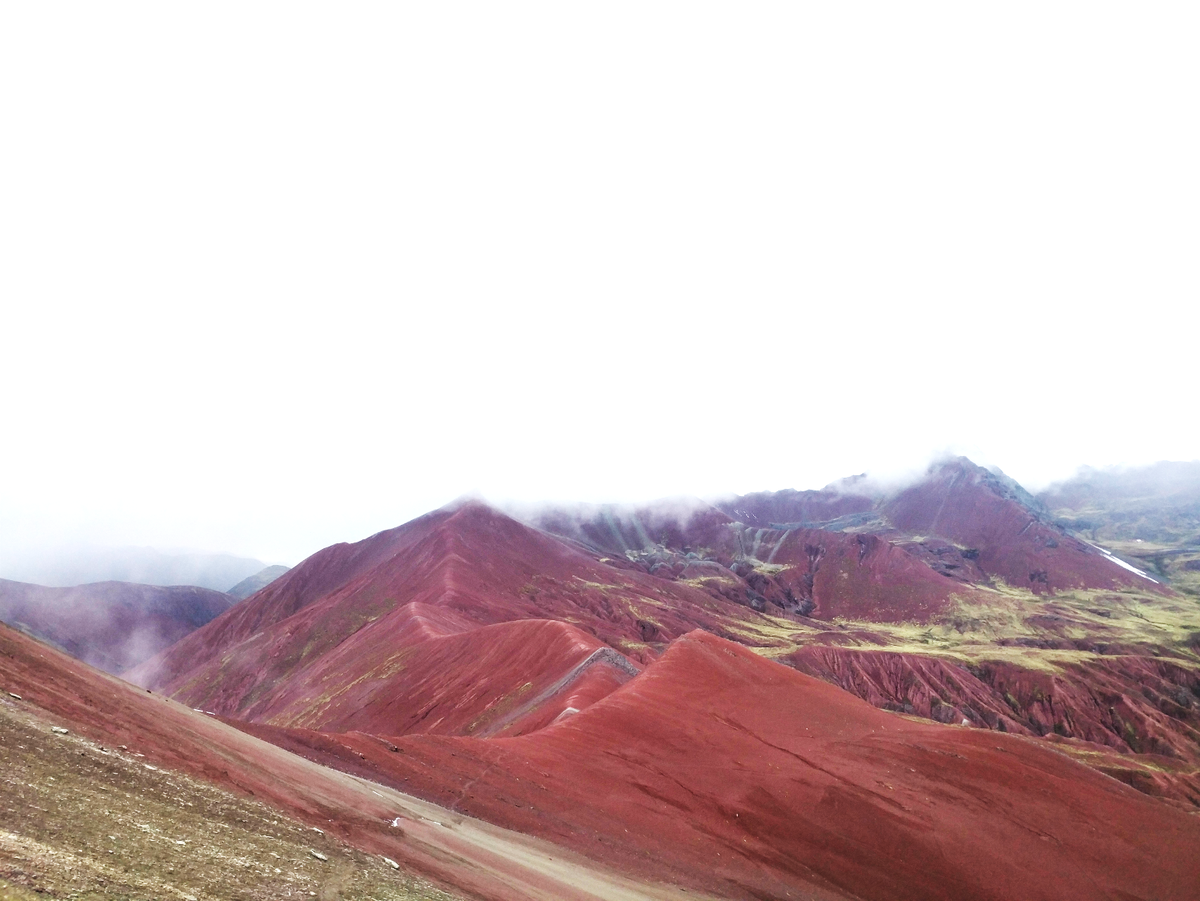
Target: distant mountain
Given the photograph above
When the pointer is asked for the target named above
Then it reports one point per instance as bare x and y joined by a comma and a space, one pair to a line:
111, 625
792, 568
1159, 503
851, 550
143, 565
1147, 514
259, 580
1007, 529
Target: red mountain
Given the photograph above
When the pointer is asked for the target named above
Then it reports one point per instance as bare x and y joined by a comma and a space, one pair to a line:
818, 573
498, 620
738, 776
111, 625
996, 521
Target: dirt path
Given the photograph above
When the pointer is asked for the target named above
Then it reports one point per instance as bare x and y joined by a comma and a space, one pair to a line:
523, 867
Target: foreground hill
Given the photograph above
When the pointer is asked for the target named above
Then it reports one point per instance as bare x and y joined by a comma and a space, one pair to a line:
738, 776
195, 808
111, 625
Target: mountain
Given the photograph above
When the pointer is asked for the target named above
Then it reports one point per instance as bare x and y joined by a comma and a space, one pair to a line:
852, 550
1158, 503
334, 643
1147, 515
723, 771
143, 565
798, 568
259, 580
1004, 528
111, 625
671, 690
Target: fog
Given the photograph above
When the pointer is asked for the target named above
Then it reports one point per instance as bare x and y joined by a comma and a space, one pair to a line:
275, 277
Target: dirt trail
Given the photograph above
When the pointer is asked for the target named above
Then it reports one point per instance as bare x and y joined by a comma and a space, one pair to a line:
524, 867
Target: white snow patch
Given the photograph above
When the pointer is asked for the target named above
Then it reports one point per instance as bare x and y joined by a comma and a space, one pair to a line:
1117, 560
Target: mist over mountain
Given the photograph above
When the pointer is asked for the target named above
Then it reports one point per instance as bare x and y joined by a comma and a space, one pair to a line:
68, 566
111, 625
260, 579
1147, 503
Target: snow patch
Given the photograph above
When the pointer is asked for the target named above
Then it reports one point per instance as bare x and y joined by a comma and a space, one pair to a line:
1121, 563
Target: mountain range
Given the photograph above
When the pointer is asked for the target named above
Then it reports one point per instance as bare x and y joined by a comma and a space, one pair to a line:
952, 689
68, 567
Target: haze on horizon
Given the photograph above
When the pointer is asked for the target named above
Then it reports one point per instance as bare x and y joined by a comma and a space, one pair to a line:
278, 277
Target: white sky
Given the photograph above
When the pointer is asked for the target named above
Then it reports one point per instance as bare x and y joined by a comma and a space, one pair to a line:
278, 275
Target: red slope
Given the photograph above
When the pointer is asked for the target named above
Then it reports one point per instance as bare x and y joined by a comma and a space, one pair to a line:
484, 862
971, 506
819, 573
291, 654
749, 779
111, 625
856, 576
502, 679
1132, 704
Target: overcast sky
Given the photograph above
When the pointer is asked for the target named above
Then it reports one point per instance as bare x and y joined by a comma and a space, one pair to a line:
278, 275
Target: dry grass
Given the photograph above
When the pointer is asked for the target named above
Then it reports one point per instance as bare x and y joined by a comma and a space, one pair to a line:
83, 822
1009, 623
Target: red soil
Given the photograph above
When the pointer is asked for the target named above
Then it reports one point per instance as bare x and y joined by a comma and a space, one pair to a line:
111, 625
431, 597
856, 576
745, 778
969, 505
1145, 710
937, 689
500, 679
